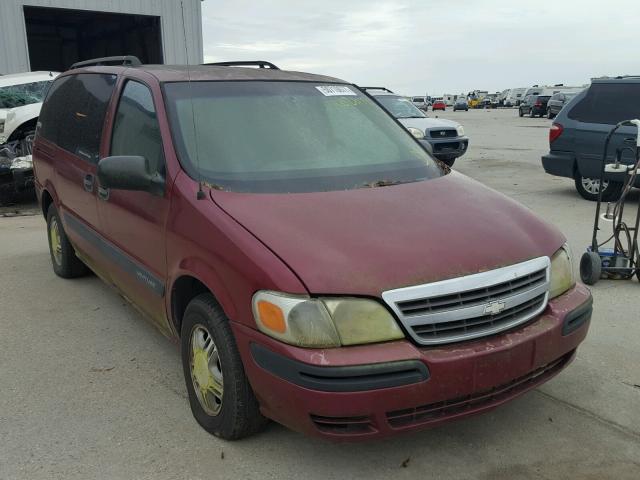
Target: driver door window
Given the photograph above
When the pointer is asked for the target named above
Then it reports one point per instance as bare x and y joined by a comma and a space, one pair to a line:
136, 130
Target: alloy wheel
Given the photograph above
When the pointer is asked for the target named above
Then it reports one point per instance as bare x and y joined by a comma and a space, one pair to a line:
206, 370
592, 185
56, 243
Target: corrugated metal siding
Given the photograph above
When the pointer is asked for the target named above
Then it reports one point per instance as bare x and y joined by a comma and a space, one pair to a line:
14, 56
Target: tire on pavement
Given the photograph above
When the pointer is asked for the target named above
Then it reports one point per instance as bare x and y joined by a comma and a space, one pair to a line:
220, 396
588, 188
63, 257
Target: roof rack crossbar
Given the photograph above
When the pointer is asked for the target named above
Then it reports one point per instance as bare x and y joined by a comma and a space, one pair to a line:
384, 89
127, 60
252, 63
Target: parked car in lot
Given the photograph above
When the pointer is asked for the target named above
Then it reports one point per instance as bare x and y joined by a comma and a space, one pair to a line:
557, 101
534, 105
439, 105
461, 104
316, 265
576, 138
420, 102
445, 139
21, 98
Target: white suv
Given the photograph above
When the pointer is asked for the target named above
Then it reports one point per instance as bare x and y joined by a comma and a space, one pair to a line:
21, 97
444, 139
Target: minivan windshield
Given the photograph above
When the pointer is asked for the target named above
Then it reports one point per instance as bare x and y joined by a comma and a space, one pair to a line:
399, 107
265, 136
13, 96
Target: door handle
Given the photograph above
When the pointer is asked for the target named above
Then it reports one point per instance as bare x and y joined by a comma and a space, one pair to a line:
88, 182
103, 193
630, 140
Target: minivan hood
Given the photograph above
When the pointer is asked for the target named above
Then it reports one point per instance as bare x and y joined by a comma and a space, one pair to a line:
426, 123
366, 241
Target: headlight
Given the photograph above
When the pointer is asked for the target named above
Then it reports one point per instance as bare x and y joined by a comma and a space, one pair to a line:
22, 163
323, 322
562, 278
416, 132
460, 130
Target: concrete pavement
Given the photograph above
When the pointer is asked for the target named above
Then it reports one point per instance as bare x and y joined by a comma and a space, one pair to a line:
88, 389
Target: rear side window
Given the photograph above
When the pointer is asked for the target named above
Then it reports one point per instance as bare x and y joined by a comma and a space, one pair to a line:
136, 130
73, 114
608, 103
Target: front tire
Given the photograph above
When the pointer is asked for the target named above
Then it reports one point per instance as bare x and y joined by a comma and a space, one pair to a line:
63, 257
588, 188
549, 114
220, 396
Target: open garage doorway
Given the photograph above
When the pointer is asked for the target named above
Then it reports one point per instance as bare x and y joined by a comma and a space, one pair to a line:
59, 37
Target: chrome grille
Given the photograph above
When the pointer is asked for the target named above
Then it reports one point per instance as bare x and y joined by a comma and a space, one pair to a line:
474, 305
443, 133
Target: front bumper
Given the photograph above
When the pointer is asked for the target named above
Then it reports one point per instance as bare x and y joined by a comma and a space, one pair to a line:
379, 390
13, 182
451, 147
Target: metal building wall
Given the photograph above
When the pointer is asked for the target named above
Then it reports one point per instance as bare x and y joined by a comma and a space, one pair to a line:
14, 55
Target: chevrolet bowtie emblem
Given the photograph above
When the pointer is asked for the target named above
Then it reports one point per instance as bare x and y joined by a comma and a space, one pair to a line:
494, 308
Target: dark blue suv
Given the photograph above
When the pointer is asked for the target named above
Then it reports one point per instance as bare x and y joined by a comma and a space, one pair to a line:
578, 133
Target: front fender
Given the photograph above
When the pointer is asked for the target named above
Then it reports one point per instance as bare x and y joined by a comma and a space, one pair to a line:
197, 268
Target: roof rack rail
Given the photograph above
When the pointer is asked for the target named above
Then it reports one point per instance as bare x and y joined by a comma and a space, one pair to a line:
127, 60
252, 63
384, 89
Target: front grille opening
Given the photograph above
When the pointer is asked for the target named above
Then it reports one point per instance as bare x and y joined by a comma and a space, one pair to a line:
344, 425
438, 147
476, 296
435, 411
479, 324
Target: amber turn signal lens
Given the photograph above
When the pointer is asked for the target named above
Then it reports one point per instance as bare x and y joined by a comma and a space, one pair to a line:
271, 316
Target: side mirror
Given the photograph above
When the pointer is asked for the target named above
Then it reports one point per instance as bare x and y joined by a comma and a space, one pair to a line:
129, 172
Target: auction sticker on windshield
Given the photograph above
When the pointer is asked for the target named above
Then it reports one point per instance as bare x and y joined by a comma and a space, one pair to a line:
335, 90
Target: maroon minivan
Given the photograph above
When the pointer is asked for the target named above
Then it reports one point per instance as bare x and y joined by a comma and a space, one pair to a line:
318, 266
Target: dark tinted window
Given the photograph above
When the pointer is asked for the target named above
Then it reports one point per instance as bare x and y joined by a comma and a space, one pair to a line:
608, 103
73, 113
136, 130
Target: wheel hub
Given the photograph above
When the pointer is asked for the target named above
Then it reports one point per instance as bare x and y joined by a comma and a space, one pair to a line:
592, 185
56, 244
206, 370
201, 368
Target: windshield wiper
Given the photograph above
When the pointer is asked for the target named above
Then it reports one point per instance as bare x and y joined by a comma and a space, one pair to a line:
414, 116
381, 183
